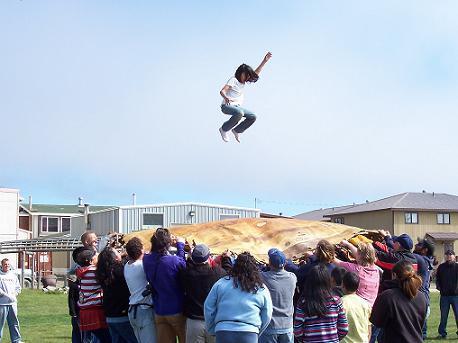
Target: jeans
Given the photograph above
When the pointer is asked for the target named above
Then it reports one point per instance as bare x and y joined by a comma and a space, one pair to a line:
236, 337
103, 335
445, 302
236, 112
376, 334
142, 321
120, 330
276, 338
424, 329
197, 333
8, 313
168, 328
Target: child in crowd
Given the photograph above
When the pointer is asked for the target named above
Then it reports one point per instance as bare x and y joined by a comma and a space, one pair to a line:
319, 316
91, 314
337, 275
232, 94
356, 309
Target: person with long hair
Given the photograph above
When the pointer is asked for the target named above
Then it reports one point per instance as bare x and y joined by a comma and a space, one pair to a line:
110, 275
365, 268
232, 94
401, 309
239, 307
319, 316
162, 272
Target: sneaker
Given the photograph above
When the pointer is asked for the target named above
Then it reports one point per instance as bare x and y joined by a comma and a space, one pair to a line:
223, 135
236, 135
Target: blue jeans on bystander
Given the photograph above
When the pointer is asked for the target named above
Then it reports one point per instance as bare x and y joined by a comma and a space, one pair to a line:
8, 313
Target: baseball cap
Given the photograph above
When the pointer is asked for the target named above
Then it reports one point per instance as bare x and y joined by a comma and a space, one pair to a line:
405, 241
449, 252
276, 258
200, 253
424, 243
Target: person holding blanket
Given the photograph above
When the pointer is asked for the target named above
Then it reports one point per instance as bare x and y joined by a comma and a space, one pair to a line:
239, 308
162, 272
232, 94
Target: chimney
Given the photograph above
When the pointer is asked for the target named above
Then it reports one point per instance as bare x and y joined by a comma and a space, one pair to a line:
86, 216
80, 202
30, 202
434, 194
134, 199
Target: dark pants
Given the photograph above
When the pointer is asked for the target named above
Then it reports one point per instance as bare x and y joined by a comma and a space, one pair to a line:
445, 303
76, 333
122, 332
237, 113
376, 334
236, 337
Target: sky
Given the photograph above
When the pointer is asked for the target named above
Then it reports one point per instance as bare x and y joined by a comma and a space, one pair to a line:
101, 99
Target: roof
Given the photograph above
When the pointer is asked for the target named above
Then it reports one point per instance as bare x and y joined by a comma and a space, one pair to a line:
321, 213
407, 201
60, 209
443, 236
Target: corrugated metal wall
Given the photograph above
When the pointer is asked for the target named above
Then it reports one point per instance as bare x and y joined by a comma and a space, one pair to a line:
132, 217
180, 215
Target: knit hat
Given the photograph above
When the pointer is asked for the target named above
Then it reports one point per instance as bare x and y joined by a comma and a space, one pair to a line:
405, 241
449, 252
425, 244
200, 253
277, 258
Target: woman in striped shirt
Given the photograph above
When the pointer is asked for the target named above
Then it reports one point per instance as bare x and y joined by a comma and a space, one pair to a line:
91, 315
319, 315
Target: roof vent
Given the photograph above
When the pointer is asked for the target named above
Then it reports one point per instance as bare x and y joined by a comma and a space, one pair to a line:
434, 194
80, 202
367, 201
423, 191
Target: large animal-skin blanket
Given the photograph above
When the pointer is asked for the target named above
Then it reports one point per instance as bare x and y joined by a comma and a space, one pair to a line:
258, 235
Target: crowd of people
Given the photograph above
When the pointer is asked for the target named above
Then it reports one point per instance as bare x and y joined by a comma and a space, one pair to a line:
177, 292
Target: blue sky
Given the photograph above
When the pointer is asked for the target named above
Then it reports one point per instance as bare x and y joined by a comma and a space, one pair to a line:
100, 99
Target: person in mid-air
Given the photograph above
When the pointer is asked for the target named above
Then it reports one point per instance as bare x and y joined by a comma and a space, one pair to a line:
232, 94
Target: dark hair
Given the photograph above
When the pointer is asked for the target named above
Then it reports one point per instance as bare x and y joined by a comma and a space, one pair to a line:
161, 241
85, 256
337, 275
316, 292
106, 263
325, 251
409, 281
245, 273
134, 248
250, 74
351, 282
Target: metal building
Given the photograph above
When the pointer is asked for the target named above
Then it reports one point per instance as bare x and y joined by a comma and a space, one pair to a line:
125, 219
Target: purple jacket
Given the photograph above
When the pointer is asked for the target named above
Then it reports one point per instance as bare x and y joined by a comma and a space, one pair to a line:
162, 273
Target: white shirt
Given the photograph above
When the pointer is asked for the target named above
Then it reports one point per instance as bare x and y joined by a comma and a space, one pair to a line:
136, 281
9, 288
235, 92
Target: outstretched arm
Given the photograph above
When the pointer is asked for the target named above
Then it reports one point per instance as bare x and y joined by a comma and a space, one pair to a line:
264, 61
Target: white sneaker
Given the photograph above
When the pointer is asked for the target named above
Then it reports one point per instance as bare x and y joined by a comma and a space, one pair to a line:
236, 135
223, 134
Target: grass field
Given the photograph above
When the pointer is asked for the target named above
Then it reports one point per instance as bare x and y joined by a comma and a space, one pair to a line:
44, 318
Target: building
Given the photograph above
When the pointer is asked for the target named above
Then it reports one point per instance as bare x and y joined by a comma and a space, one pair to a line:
321, 214
434, 215
125, 219
9, 220
53, 221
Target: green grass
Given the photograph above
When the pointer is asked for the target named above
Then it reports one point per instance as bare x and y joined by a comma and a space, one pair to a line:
44, 318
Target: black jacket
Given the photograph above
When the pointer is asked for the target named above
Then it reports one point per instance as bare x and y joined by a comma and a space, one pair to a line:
447, 278
197, 281
387, 258
401, 318
116, 294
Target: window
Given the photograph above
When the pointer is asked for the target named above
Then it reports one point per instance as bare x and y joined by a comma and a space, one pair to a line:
339, 220
153, 219
65, 224
411, 217
443, 218
229, 216
50, 224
